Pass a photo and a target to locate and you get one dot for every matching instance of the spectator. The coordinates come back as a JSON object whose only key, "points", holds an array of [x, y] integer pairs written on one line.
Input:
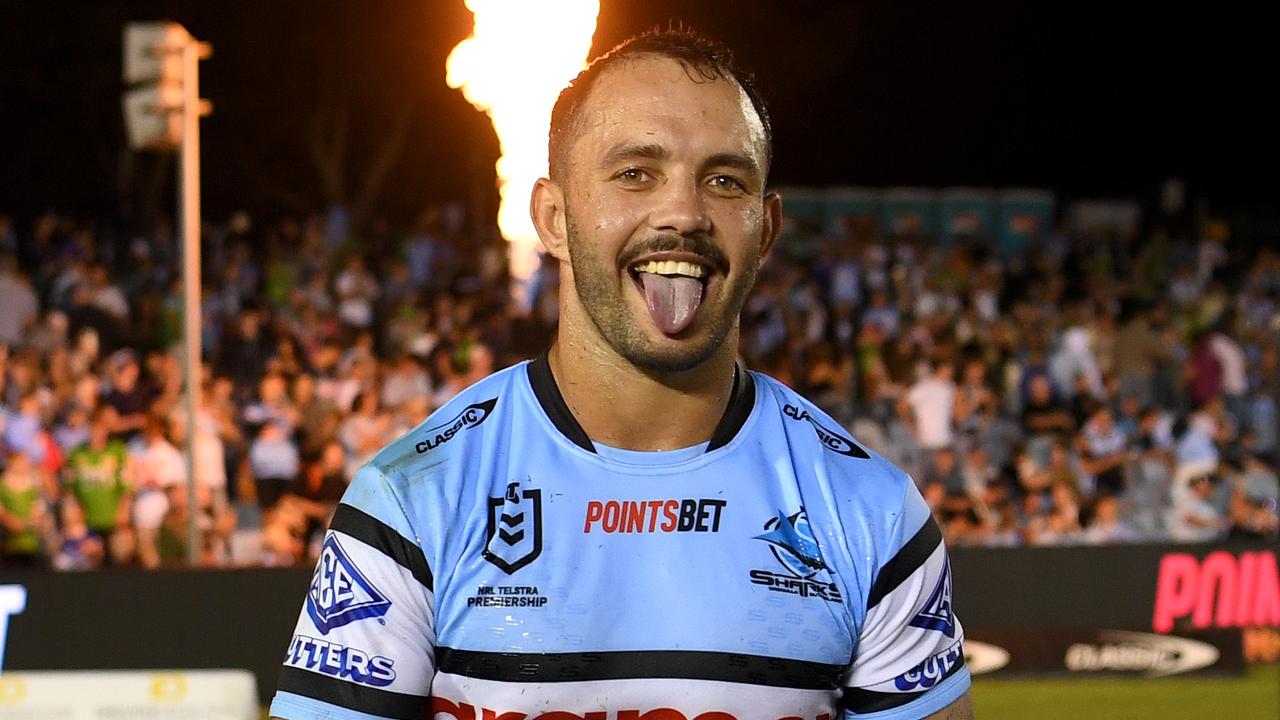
{"points": [[1043, 416], [357, 290], [273, 463], [1137, 351], [928, 406], [1107, 526], [21, 307], [1104, 451], [158, 466], [943, 470], [272, 406], [406, 381], [76, 547], [363, 432], [126, 396], [1255, 499], [100, 477], [24, 514], [975, 405], [1194, 518]]}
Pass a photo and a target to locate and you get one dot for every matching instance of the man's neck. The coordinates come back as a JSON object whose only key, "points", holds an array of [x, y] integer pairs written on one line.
{"points": [[622, 406]]}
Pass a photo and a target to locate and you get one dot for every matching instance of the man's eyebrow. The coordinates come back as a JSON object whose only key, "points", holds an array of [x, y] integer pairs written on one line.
{"points": [[629, 151], [733, 160]]}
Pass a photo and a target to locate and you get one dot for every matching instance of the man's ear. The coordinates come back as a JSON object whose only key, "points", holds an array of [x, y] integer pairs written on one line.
{"points": [[772, 225], [547, 209]]}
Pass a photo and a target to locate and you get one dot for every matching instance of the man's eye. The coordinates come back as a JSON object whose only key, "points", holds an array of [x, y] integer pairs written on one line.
{"points": [[633, 176], [727, 183]]}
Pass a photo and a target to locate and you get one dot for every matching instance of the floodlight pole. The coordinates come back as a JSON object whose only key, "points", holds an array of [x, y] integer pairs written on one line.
{"points": [[189, 204]]}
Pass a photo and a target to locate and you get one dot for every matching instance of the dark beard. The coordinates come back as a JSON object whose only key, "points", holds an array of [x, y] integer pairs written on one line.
{"points": [[601, 295]]}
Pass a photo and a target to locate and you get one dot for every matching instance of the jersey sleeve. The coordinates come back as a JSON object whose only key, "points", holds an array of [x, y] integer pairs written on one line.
{"points": [[364, 642], [910, 657]]}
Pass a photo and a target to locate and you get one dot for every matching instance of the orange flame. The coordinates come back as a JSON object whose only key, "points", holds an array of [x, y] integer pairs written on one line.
{"points": [[521, 53]]}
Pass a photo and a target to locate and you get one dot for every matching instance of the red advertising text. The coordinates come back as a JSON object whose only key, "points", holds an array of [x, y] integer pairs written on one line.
{"points": [[1222, 591]]}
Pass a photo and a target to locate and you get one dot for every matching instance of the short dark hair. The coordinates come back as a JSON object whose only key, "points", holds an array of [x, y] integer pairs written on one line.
{"points": [[711, 60]]}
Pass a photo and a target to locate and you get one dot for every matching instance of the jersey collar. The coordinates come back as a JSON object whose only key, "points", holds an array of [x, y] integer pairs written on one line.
{"points": [[741, 400]]}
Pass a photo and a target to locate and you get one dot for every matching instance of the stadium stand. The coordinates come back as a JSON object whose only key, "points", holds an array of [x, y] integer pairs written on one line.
{"points": [[1068, 387]]}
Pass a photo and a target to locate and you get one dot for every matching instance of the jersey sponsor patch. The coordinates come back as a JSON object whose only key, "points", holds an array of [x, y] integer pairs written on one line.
{"points": [[790, 539], [936, 613], [831, 440], [340, 661], [654, 516], [340, 593], [515, 528], [471, 416]]}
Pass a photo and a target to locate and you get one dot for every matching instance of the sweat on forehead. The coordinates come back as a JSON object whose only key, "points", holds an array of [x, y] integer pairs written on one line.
{"points": [[703, 60]]}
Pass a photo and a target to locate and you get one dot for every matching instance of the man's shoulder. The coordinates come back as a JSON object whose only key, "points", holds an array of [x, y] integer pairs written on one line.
{"points": [[456, 428], [852, 467]]}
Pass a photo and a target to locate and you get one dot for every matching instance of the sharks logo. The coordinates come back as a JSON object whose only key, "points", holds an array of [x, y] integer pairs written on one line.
{"points": [[936, 613], [339, 593], [791, 539], [515, 528]]}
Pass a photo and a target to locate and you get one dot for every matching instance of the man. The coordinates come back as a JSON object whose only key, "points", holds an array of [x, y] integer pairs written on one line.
{"points": [[99, 476], [928, 408], [631, 526]]}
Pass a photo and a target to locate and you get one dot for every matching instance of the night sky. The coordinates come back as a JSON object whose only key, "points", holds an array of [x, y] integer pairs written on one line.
{"points": [[1079, 98]]}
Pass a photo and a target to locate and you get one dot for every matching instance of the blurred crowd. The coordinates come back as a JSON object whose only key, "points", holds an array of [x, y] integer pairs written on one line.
{"points": [[1096, 388]]}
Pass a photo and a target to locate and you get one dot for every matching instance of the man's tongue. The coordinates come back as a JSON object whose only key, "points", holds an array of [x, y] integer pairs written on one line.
{"points": [[672, 300]]}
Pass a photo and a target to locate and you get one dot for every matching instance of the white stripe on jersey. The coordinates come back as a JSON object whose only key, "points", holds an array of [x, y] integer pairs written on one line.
{"points": [[390, 650], [911, 625]]}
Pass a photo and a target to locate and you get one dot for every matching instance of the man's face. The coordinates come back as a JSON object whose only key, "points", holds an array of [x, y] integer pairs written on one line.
{"points": [[666, 217]]}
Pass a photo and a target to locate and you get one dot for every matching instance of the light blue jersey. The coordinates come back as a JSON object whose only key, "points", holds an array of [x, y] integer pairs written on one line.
{"points": [[495, 564]]}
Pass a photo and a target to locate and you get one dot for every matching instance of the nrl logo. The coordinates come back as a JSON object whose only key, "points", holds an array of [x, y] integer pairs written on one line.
{"points": [[515, 529]]}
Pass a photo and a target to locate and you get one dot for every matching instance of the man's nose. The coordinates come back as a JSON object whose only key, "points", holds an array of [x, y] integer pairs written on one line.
{"points": [[681, 208]]}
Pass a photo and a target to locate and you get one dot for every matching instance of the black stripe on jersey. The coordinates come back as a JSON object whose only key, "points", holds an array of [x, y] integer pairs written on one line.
{"points": [[552, 402], [352, 696], [857, 700], [373, 532], [907, 561], [629, 665], [741, 401]]}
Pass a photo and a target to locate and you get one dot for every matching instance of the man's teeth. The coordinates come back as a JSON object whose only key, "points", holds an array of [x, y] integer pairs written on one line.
{"points": [[671, 267]]}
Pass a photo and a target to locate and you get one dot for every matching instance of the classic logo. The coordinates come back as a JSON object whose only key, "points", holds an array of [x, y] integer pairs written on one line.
{"points": [[831, 440], [471, 416], [515, 528], [793, 545], [339, 593], [936, 613], [1155, 655], [984, 657], [931, 671]]}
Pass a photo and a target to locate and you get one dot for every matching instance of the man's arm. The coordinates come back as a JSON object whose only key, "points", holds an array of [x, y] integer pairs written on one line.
{"points": [[961, 709]]}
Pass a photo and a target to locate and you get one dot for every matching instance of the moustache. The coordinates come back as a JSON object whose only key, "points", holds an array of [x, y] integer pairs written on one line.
{"points": [[697, 244]]}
